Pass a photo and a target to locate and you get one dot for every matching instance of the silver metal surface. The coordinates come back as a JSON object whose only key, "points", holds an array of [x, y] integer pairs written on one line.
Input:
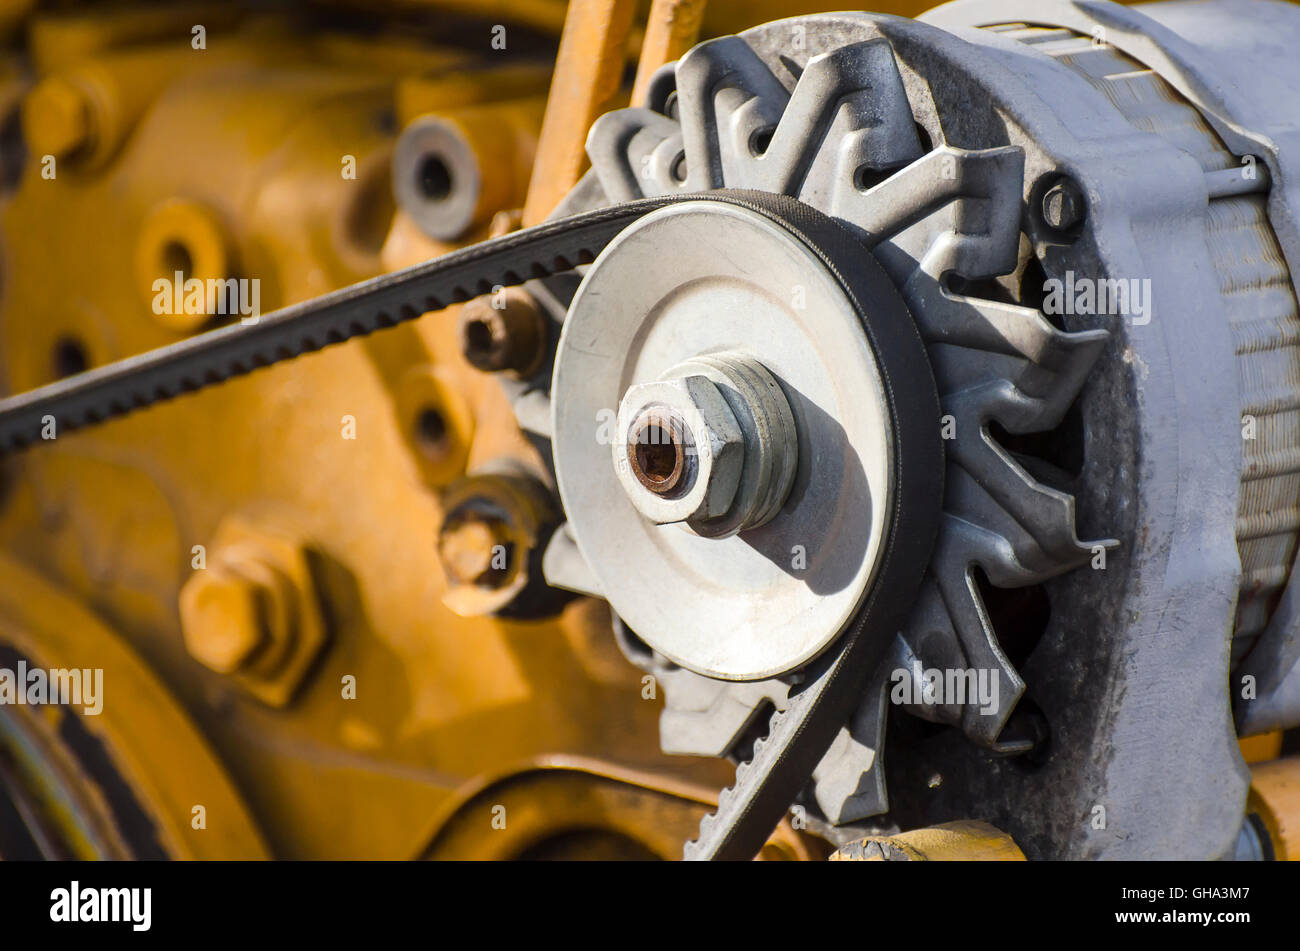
{"points": [[1132, 669], [770, 439], [837, 129], [757, 604], [984, 166], [691, 418], [436, 178], [1233, 61]]}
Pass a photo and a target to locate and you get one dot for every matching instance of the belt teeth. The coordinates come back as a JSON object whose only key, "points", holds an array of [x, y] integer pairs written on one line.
{"points": [[236, 349]]}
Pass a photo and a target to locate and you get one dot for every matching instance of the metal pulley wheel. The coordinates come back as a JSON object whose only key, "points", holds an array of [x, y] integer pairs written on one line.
{"points": [[1108, 528], [993, 374], [715, 340]]}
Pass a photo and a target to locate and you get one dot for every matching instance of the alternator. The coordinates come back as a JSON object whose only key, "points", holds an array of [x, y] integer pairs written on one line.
{"points": [[943, 373], [1084, 209]]}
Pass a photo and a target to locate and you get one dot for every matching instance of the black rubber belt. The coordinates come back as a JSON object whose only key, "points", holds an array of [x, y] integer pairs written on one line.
{"points": [[798, 736], [832, 689], [209, 358]]}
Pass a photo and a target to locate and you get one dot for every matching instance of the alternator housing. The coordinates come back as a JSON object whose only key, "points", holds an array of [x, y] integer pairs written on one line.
{"points": [[1088, 217]]}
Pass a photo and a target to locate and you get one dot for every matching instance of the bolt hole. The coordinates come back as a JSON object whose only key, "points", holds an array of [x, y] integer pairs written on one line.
{"points": [[70, 358], [176, 257], [1061, 205], [865, 177], [678, 169], [433, 178], [657, 462], [480, 344], [759, 140], [431, 430], [657, 457]]}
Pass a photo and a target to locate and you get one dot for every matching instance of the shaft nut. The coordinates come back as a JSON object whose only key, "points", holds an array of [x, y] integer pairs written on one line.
{"points": [[680, 450]]}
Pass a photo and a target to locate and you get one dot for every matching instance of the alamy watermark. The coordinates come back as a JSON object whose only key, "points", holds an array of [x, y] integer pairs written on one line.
{"points": [[217, 296], [83, 687], [133, 906], [954, 686], [1118, 296]]}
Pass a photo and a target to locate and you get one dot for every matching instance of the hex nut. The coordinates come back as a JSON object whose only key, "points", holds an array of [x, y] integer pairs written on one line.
{"points": [[255, 613], [505, 335], [496, 522], [714, 445]]}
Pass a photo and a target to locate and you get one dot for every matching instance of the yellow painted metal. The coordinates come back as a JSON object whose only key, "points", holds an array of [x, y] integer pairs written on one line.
{"points": [[485, 554], [150, 741], [254, 610], [58, 118], [1275, 798], [69, 37], [586, 83], [564, 807], [185, 238], [409, 702], [672, 28], [265, 156], [965, 841], [1259, 749], [441, 92]]}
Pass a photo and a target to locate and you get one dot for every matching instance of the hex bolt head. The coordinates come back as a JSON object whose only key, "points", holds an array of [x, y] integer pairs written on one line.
{"points": [[496, 523], [256, 613], [687, 416], [1064, 206], [222, 618], [240, 615]]}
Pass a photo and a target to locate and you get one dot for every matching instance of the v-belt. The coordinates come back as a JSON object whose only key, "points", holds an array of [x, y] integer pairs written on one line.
{"points": [[798, 736]]}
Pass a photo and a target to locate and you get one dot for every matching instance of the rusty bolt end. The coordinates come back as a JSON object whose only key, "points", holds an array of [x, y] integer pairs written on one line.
{"points": [[57, 118], [475, 550], [495, 523], [695, 417], [656, 451], [505, 334]]}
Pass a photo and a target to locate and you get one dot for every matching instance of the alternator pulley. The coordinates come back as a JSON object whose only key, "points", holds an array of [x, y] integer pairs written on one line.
{"points": [[705, 283]]}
